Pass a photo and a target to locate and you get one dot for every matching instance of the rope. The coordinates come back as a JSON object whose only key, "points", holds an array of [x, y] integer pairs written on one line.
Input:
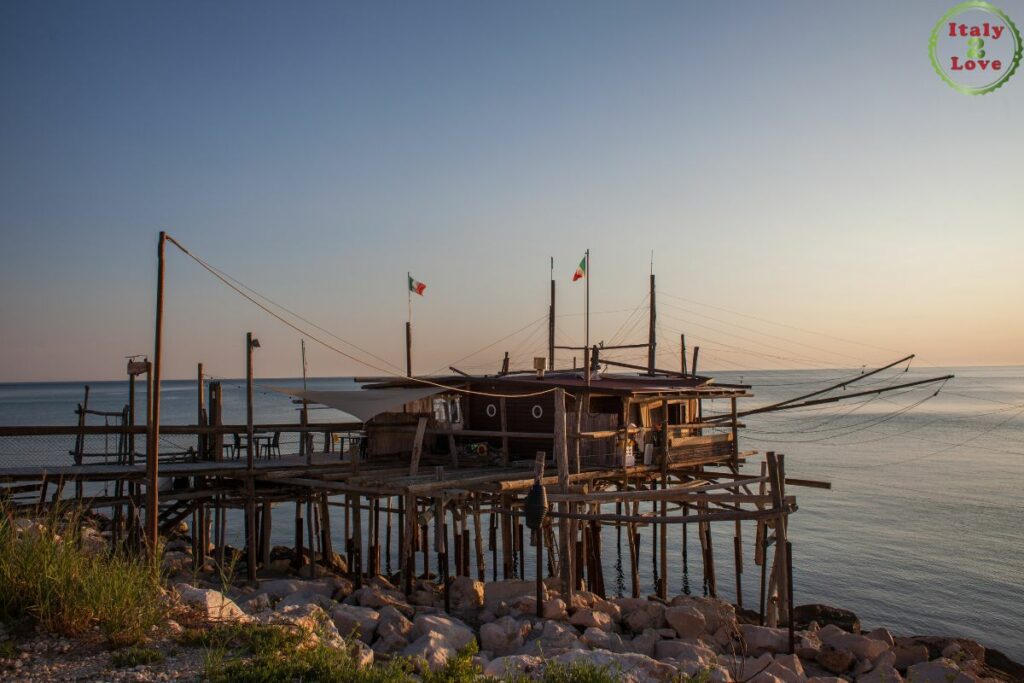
{"points": [[239, 289]]}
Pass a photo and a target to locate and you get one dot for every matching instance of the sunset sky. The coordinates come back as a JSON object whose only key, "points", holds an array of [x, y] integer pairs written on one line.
{"points": [[798, 163]]}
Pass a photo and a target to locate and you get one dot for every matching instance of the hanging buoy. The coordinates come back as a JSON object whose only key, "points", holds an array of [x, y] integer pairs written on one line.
{"points": [[536, 506]]}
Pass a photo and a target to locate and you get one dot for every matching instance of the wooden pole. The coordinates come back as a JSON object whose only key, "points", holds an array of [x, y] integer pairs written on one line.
{"points": [[682, 353], [250, 498], [696, 352], [153, 448], [562, 462]]}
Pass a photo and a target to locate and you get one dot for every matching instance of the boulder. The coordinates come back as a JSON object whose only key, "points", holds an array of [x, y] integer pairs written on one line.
{"points": [[909, 655], [684, 652], [431, 650], [213, 605], [513, 666], [880, 674], [609, 608], [555, 609], [745, 668], [861, 647], [626, 667], [392, 624], [644, 643], [360, 622], [825, 614], [760, 639], [686, 620], [598, 639], [453, 631], [588, 618], [881, 634], [310, 619], [836, 661], [502, 637], [305, 598], [717, 613], [466, 594], [940, 670], [642, 614], [551, 637], [497, 592]]}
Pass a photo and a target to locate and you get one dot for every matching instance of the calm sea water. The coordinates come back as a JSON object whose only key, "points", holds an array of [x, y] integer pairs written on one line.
{"points": [[921, 531]]}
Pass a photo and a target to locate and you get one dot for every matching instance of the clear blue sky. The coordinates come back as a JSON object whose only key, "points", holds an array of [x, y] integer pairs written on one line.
{"points": [[796, 161]]}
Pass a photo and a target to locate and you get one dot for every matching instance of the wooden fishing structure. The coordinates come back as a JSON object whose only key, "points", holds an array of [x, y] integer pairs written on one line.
{"points": [[435, 474]]}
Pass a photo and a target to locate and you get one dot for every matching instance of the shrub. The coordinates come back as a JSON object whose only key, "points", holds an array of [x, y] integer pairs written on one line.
{"points": [[52, 580]]}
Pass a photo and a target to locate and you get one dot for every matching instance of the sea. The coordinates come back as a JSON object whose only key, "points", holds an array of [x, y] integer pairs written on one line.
{"points": [[922, 530]]}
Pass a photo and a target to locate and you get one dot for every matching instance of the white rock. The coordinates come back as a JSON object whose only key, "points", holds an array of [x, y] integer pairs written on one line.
{"points": [[431, 650], [881, 674], [555, 609], [861, 647], [644, 643], [306, 598], [497, 592], [588, 618], [358, 621], [502, 637], [392, 623], [638, 615], [626, 667], [760, 639], [466, 594], [454, 632], [214, 605], [598, 639], [687, 620], [512, 665], [684, 652], [938, 671]]}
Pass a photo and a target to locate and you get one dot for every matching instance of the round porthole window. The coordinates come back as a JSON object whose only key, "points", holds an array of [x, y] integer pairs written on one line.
{"points": [[491, 410], [537, 412]]}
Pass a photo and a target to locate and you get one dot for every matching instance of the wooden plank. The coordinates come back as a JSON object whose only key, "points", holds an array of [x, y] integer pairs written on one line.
{"points": [[417, 446]]}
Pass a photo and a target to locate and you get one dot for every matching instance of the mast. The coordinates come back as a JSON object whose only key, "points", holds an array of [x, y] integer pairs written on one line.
{"points": [[551, 320], [651, 330], [586, 352], [408, 328]]}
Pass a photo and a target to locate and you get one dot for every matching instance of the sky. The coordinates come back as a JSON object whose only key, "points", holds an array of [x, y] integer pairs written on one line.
{"points": [[812, 193]]}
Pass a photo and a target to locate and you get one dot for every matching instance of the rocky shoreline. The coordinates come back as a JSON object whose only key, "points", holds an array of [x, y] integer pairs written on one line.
{"points": [[640, 640], [637, 640]]}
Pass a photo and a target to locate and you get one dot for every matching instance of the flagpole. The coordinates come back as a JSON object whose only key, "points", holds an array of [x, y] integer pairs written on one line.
{"points": [[586, 353], [408, 327]]}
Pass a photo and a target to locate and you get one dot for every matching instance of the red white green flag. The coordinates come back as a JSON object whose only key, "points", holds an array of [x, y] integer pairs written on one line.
{"points": [[416, 286], [581, 270]]}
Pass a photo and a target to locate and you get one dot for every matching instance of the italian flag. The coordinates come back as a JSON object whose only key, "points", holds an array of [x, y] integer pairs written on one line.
{"points": [[416, 286], [581, 270]]}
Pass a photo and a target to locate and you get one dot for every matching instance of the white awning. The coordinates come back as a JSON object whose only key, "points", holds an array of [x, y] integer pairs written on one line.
{"points": [[364, 404]]}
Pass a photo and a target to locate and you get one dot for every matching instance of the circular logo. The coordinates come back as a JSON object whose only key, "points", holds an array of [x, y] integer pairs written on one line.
{"points": [[975, 47]]}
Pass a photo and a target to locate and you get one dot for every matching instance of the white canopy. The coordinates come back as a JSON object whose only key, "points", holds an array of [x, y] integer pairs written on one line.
{"points": [[364, 404]]}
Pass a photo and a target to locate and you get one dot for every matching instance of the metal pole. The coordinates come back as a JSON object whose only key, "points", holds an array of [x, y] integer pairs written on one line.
{"points": [[551, 320], [153, 448], [587, 316]]}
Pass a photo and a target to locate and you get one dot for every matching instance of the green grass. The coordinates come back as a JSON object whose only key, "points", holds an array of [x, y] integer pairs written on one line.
{"points": [[134, 656], [275, 654], [54, 583]]}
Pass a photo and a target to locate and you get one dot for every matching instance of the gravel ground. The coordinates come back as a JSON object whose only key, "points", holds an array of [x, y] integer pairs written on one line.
{"points": [[46, 658]]}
